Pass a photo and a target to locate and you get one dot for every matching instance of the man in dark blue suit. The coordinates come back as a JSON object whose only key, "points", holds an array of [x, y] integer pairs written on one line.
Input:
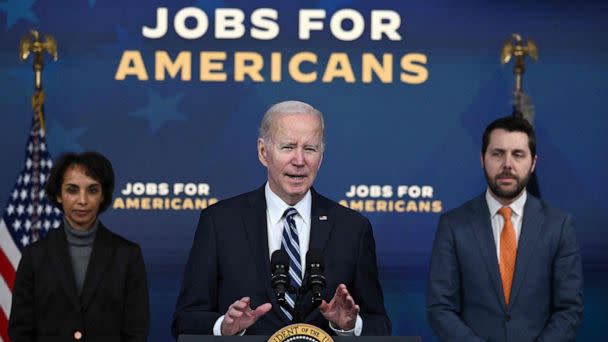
{"points": [[506, 266], [226, 288]]}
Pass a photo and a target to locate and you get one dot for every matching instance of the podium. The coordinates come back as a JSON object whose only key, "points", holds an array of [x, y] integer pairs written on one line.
{"points": [[259, 338]]}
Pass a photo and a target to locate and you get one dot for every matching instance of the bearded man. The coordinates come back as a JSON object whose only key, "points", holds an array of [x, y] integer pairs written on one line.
{"points": [[505, 265]]}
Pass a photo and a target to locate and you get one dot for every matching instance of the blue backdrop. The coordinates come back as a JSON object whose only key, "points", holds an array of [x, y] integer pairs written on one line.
{"points": [[421, 132]]}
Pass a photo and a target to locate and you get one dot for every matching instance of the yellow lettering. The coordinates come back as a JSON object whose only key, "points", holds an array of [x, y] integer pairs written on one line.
{"points": [[424, 206], [187, 204], [338, 65], [381, 206], [132, 203], [131, 64], [294, 67], [383, 71], [411, 206], [163, 63], [369, 206], [175, 203], [356, 205], [400, 206], [212, 66], [118, 203], [414, 71], [437, 206], [250, 64], [275, 67], [157, 203], [145, 203]]}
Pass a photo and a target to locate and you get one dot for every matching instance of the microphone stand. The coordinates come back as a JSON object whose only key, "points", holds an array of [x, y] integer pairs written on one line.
{"points": [[299, 311]]}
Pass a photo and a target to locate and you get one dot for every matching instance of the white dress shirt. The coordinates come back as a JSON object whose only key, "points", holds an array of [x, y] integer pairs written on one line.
{"points": [[517, 213], [275, 208]]}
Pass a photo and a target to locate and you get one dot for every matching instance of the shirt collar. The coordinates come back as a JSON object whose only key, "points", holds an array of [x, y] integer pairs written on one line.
{"points": [[276, 206], [517, 207]]}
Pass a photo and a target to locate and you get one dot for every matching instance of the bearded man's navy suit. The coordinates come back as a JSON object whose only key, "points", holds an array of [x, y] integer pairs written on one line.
{"points": [[465, 300]]}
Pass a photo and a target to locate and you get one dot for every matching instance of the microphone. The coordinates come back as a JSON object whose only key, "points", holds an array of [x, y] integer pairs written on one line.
{"points": [[315, 279], [279, 269]]}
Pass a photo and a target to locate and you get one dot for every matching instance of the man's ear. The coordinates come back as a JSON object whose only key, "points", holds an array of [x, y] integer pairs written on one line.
{"points": [[534, 163], [262, 152]]}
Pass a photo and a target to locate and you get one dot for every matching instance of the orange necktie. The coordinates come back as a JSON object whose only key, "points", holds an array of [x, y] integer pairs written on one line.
{"points": [[508, 252]]}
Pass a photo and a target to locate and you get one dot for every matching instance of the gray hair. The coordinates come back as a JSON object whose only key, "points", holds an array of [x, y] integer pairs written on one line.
{"points": [[288, 108]]}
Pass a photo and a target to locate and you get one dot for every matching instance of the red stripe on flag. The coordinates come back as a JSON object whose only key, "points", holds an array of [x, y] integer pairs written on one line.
{"points": [[4, 327], [6, 270]]}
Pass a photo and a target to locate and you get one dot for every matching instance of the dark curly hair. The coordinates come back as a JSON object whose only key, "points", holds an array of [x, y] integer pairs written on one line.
{"points": [[95, 165]]}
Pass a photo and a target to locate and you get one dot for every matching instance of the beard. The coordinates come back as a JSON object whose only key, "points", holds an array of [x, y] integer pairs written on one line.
{"points": [[520, 184]]}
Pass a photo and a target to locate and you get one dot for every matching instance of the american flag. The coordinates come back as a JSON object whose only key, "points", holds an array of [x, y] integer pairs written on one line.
{"points": [[28, 215]]}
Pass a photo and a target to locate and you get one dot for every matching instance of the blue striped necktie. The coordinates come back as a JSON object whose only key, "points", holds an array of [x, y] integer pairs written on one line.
{"points": [[291, 244]]}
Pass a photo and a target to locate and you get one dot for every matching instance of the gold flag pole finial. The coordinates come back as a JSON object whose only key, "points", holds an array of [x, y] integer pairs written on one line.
{"points": [[31, 43], [515, 47]]}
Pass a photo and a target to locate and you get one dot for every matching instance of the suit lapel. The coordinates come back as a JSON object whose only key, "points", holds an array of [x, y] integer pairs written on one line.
{"points": [[62, 264], [100, 258], [255, 223], [321, 225], [321, 222], [530, 232], [482, 229]]}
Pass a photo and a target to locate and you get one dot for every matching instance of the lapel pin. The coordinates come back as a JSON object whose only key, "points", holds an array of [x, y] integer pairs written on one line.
{"points": [[323, 218]]}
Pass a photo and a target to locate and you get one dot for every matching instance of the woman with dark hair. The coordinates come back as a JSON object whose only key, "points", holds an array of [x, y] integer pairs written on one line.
{"points": [[81, 282]]}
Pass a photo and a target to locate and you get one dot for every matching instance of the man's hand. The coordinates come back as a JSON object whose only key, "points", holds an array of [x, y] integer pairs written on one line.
{"points": [[341, 311], [240, 316]]}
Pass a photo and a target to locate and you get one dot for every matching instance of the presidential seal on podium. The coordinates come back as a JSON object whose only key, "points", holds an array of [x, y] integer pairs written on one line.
{"points": [[300, 333]]}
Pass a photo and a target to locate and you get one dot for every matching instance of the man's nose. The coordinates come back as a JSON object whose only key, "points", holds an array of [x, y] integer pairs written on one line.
{"points": [[298, 157], [508, 161]]}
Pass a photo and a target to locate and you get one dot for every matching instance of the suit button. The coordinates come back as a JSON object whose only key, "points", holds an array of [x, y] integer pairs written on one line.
{"points": [[77, 335], [507, 318]]}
